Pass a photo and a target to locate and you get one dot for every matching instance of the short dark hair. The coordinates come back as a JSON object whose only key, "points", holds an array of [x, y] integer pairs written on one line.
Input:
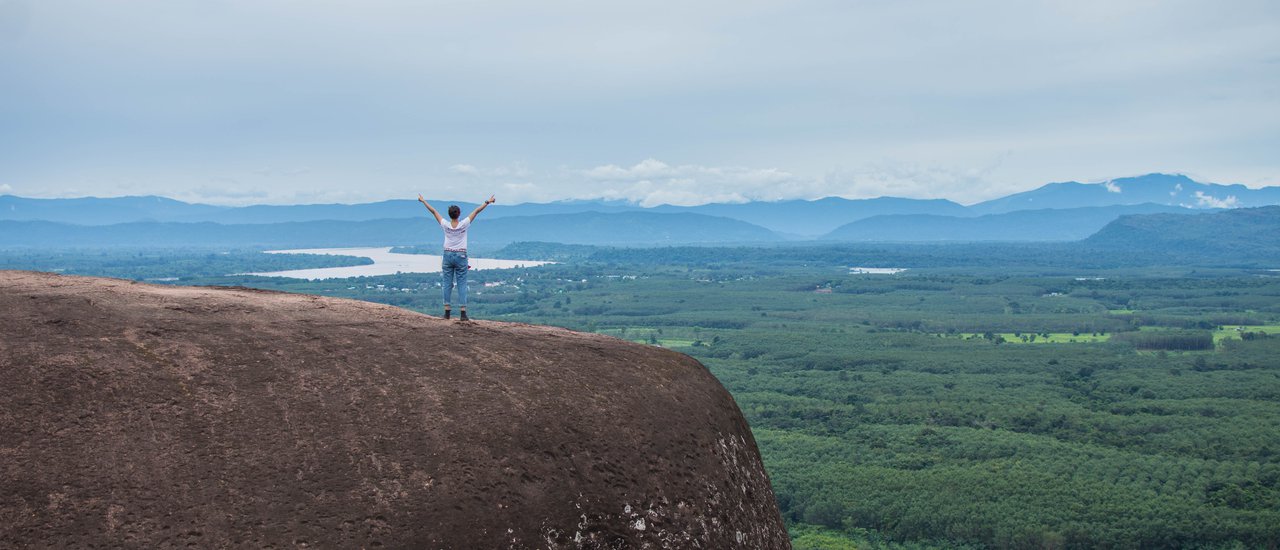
{"points": [[454, 211]]}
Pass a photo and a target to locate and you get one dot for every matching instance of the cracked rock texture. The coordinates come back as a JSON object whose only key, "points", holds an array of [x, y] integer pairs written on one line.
{"points": [[138, 415]]}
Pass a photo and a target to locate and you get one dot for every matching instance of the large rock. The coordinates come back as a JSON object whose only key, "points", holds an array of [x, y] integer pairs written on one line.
{"points": [[146, 416]]}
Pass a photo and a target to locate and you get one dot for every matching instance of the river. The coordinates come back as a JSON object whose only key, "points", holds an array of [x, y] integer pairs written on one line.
{"points": [[385, 262]]}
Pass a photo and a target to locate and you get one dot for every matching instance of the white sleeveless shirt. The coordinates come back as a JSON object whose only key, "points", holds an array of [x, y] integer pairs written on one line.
{"points": [[455, 238]]}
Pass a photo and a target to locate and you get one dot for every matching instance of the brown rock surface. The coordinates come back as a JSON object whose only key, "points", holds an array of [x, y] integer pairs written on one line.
{"points": [[151, 416]]}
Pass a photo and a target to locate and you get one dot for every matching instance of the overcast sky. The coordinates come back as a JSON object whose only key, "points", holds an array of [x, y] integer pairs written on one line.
{"points": [[286, 101]]}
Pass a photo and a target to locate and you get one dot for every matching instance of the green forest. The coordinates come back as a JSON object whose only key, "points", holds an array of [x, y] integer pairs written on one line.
{"points": [[1059, 399]]}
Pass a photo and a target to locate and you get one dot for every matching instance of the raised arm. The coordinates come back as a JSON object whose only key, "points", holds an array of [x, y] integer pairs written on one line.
{"points": [[482, 207], [433, 210]]}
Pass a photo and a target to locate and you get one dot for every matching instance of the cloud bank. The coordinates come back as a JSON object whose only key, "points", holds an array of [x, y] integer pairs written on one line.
{"points": [[733, 100], [652, 182], [1210, 201]]}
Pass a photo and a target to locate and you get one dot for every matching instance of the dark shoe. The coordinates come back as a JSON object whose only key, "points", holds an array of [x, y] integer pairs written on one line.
{"points": [[464, 316], [447, 313]]}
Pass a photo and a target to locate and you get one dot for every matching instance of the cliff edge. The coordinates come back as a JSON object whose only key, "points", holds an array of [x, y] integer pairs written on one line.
{"points": [[148, 416]]}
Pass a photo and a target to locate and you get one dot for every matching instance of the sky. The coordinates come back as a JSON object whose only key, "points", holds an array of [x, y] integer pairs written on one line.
{"points": [[301, 101]]}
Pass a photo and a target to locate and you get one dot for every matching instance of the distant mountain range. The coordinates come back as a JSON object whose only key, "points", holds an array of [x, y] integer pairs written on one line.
{"points": [[1165, 189], [1053, 212], [794, 217]]}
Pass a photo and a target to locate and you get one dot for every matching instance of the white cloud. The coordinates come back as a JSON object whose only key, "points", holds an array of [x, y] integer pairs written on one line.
{"points": [[1176, 189], [652, 182], [514, 170], [647, 168], [277, 172], [5, 188], [518, 189], [1112, 187], [919, 181], [464, 169], [224, 192], [1210, 201]]}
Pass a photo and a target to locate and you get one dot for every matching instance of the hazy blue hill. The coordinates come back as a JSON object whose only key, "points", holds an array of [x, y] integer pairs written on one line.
{"points": [[265, 213], [639, 228], [817, 217], [499, 210], [1028, 225], [1250, 235], [635, 228], [400, 209], [104, 211], [791, 218], [1166, 189], [173, 234], [115, 210], [795, 217]]}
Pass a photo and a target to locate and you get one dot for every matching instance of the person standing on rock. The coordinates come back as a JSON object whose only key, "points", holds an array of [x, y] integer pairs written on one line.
{"points": [[453, 266]]}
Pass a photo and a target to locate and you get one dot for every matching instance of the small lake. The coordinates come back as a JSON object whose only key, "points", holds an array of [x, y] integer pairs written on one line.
{"points": [[876, 270], [385, 262]]}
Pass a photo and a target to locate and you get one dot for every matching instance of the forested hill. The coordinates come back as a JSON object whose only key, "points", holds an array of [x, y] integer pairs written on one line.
{"points": [[1068, 224], [1243, 234], [812, 218]]}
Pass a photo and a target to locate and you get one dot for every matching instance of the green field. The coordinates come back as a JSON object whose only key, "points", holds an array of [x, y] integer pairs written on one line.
{"points": [[1036, 338], [1237, 332], [647, 335], [667, 342]]}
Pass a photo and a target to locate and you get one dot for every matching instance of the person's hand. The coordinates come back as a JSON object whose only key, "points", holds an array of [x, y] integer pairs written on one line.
{"points": [[421, 200], [491, 199]]}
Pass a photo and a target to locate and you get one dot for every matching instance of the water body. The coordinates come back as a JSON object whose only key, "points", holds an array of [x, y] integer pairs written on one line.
{"points": [[876, 270], [385, 262]]}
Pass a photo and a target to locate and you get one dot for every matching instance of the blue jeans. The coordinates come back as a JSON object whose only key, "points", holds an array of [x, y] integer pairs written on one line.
{"points": [[454, 266]]}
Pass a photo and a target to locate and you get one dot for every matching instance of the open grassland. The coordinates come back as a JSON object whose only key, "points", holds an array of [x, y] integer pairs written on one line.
{"points": [[1239, 332], [1035, 338]]}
